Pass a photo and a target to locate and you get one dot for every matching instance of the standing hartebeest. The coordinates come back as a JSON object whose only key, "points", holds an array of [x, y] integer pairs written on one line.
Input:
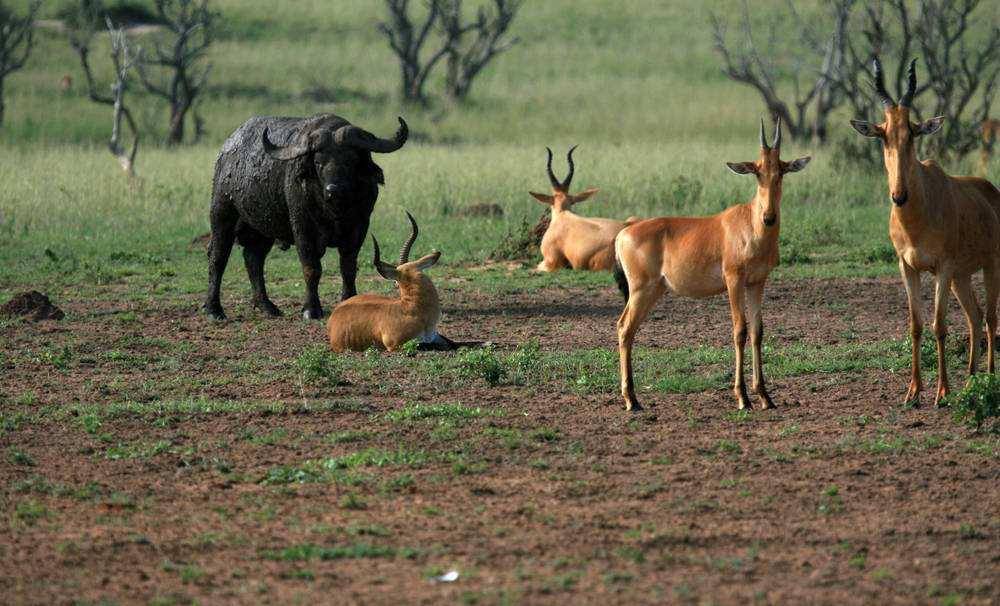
{"points": [[732, 252], [571, 240], [946, 225]]}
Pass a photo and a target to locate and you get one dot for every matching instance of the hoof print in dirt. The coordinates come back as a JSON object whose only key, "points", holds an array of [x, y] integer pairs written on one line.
{"points": [[32, 305]]}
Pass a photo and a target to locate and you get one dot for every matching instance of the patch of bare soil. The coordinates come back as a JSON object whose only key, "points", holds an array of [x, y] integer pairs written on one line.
{"points": [[839, 496]]}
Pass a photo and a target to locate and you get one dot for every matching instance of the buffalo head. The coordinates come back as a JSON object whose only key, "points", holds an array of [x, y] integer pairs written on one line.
{"points": [[338, 156]]}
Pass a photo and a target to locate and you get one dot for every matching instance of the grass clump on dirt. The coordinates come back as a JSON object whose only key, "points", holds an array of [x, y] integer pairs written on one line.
{"points": [[414, 412], [318, 367], [977, 405], [310, 551], [517, 368]]}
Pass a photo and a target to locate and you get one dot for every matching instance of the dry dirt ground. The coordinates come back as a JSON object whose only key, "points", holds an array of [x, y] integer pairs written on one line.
{"points": [[151, 456]]}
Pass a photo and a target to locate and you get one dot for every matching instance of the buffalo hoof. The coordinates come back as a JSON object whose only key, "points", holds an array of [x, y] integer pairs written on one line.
{"points": [[268, 309], [315, 313], [214, 311]]}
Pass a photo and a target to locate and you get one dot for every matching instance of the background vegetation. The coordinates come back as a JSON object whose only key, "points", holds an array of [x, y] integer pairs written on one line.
{"points": [[636, 84]]}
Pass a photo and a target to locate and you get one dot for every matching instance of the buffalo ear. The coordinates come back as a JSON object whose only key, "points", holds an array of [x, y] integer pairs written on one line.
{"points": [[376, 171], [742, 168], [303, 145]]}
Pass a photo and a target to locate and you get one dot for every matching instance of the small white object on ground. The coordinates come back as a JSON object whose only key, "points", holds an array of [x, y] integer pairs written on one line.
{"points": [[449, 577]]}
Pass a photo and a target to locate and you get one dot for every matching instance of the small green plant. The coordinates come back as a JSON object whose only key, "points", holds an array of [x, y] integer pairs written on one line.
{"points": [[483, 363], [318, 366], [19, 457], [352, 501], [410, 348], [977, 405]]}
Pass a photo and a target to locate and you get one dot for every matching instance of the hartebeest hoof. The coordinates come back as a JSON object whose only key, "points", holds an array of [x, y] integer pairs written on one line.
{"points": [[765, 401], [633, 406]]}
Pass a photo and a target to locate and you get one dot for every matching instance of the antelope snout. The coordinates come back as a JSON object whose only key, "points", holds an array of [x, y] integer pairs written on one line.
{"points": [[900, 198], [769, 219]]}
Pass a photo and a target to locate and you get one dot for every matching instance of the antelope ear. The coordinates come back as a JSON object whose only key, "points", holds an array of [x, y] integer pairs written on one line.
{"points": [[543, 198], [866, 128], [797, 165], [428, 261], [585, 194], [742, 168], [929, 127]]}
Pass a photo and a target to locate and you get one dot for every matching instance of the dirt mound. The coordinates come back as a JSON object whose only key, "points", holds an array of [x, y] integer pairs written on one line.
{"points": [[33, 305]]}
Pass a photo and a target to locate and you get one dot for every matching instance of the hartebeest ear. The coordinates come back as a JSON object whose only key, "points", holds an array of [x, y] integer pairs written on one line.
{"points": [[866, 128], [428, 261], [543, 198], [742, 168], [928, 127], [797, 165], [585, 194]]}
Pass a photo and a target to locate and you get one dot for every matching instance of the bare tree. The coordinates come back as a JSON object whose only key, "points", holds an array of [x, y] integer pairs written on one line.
{"points": [[123, 58], [17, 37], [817, 55], [465, 60], [468, 46], [190, 29], [407, 39]]}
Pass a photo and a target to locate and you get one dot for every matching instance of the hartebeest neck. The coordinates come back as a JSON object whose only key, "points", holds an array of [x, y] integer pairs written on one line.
{"points": [[760, 205], [418, 294]]}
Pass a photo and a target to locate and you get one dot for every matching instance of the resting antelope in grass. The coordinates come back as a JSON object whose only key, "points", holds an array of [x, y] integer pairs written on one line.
{"points": [[946, 225], [571, 240], [732, 252], [364, 321]]}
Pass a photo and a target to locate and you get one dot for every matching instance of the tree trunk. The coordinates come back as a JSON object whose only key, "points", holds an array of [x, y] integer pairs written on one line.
{"points": [[177, 116], [1, 101]]}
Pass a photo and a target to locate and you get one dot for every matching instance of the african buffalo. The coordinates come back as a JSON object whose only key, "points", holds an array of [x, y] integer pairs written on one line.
{"points": [[307, 181]]}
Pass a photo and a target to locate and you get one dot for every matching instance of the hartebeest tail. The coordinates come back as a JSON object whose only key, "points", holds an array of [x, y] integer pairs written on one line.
{"points": [[571, 240], [368, 320], [732, 252], [949, 226], [620, 278]]}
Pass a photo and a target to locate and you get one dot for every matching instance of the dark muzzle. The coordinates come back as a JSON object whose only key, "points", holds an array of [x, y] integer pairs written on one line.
{"points": [[900, 199], [770, 219]]}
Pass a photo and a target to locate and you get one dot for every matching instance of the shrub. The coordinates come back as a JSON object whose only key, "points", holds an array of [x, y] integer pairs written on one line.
{"points": [[318, 366], [978, 403], [483, 363]]}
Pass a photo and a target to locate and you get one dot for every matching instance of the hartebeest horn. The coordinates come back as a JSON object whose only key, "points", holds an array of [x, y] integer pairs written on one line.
{"points": [[777, 134], [384, 269], [569, 176], [404, 253], [548, 168], [911, 86], [880, 84], [763, 138], [362, 139]]}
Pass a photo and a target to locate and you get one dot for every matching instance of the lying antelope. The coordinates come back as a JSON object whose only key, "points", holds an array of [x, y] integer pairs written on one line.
{"points": [[732, 252], [367, 320], [571, 240], [946, 225]]}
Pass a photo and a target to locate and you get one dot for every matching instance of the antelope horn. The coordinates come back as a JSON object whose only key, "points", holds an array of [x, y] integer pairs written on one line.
{"points": [[384, 269], [552, 177], [911, 86], [569, 177], [880, 84], [362, 139], [404, 253], [763, 138], [777, 134]]}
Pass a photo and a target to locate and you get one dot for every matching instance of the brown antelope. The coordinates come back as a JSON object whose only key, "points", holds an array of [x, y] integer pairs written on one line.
{"points": [[66, 83], [571, 240], [367, 320], [732, 252], [990, 129], [946, 225]]}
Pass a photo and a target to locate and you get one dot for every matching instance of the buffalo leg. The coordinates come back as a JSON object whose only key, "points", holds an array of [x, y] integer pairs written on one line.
{"points": [[348, 272], [255, 249], [223, 234], [312, 271]]}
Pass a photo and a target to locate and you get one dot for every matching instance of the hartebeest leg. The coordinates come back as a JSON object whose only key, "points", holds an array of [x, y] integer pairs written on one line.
{"points": [[992, 279], [941, 331], [737, 295], [755, 298], [962, 287], [640, 301], [911, 281]]}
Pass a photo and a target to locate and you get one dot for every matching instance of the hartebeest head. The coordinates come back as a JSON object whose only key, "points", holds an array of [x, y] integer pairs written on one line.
{"points": [[561, 199], [405, 272], [897, 132], [769, 170]]}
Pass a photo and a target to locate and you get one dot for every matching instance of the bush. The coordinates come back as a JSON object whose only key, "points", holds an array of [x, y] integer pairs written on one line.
{"points": [[521, 243], [483, 363], [978, 403], [318, 366]]}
